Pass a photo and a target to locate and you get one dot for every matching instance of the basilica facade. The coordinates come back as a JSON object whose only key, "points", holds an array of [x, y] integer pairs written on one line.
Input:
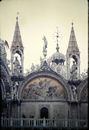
{"points": [[52, 94]]}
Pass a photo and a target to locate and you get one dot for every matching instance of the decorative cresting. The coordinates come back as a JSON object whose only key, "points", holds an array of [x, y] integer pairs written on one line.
{"points": [[44, 86], [83, 91]]}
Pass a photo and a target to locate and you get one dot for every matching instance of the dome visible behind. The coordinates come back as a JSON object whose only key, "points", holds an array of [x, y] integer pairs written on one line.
{"points": [[58, 58]]}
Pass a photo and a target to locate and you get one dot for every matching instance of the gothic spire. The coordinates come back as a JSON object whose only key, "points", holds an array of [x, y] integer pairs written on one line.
{"points": [[73, 46], [73, 52], [17, 41], [17, 48]]}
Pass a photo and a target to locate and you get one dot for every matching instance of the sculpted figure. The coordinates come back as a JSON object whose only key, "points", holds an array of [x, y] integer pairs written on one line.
{"points": [[15, 87], [74, 90], [74, 71], [17, 66], [45, 47]]}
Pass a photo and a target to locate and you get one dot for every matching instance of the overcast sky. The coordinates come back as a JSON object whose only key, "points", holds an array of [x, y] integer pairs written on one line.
{"points": [[41, 17]]}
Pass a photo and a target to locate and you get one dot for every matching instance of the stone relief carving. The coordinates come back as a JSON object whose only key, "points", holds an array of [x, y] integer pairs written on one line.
{"points": [[43, 88]]}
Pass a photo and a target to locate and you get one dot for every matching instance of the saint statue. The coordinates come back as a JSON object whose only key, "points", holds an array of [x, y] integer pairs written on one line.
{"points": [[74, 90], [15, 87], [17, 66], [74, 71]]}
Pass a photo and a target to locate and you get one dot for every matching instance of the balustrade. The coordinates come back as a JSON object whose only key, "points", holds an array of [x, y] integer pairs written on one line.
{"points": [[27, 122]]}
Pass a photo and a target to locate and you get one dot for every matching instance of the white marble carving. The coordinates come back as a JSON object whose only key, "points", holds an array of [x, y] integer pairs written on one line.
{"points": [[74, 71]]}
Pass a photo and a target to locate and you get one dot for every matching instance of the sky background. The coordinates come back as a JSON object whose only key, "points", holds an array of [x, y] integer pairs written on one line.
{"points": [[41, 17]]}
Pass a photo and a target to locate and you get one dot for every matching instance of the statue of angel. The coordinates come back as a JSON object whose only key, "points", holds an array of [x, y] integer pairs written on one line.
{"points": [[45, 47]]}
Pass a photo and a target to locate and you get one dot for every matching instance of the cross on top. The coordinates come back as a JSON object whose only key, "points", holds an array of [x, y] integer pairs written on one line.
{"points": [[57, 36]]}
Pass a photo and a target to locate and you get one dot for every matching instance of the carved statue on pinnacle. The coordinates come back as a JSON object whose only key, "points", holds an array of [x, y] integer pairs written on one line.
{"points": [[74, 71]]}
